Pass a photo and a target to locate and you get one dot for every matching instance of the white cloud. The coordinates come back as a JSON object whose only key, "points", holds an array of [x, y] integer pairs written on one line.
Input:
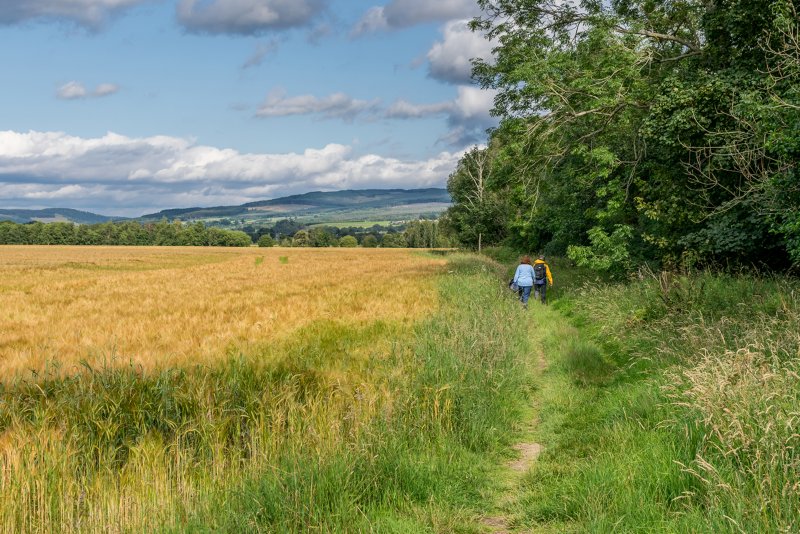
{"points": [[89, 13], [402, 109], [449, 60], [105, 89], [471, 116], [336, 105], [404, 13], [75, 90], [71, 91], [246, 17], [468, 115], [115, 173]]}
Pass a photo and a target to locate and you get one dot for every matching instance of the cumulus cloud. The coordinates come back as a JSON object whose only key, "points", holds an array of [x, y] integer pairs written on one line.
{"points": [[76, 90], [334, 106], [404, 13], [468, 116], [89, 13], [246, 17], [449, 60], [403, 109], [115, 173]]}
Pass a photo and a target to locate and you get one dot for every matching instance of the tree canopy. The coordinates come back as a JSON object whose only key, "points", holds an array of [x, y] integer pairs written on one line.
{"points": [[638, 131]]}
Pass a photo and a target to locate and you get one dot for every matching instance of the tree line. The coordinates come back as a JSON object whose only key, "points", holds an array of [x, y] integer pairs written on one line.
{"points": [[417, 234], [638, 131], [162, 233]]}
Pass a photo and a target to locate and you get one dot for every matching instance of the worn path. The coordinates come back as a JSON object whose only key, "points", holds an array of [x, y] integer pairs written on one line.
{"points": [[528, 452]]}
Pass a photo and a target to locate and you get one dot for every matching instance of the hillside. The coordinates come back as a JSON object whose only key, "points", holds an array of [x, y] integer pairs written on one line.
{"points": [[49, 215], [319, 206], [314, 207]]}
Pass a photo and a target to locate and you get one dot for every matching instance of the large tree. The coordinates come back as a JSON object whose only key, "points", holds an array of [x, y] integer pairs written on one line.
{"points": [[642, 130]]}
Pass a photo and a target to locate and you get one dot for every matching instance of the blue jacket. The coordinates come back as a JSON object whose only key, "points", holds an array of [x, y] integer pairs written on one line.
{"points": [[524, 275]]}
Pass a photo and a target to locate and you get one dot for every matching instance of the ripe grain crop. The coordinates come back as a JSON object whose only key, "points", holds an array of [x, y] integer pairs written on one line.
{"points": [[352, 414], [159, 308]]}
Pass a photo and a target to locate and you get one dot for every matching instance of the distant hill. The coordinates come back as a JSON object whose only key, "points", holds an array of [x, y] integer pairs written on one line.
{"points": [[366, 204], [315, 207], [54, 215]]}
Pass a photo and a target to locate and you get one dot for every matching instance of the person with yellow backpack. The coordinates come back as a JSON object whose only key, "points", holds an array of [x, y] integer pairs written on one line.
{"points": [[542, 277]]}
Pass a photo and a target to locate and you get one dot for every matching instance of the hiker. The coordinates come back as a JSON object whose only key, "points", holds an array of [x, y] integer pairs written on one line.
{"points": [[541, 279], [523, 279]]}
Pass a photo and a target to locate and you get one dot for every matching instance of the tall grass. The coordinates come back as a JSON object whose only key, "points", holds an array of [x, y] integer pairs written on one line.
{"points": [[671, 405], [377, 427]]}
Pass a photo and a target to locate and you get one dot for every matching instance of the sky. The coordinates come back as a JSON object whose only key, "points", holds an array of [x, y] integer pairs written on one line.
{"points": [[126, 107]]}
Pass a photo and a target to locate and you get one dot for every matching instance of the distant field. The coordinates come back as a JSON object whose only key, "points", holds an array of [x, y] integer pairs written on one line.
{"points": [[160, 308], [354, 224]]}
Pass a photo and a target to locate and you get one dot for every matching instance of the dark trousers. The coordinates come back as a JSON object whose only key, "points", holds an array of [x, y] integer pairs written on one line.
{"points": [[540, 292]]}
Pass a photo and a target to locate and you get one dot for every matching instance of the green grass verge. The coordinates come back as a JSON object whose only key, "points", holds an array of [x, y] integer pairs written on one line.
{"points": [[669, 404]]}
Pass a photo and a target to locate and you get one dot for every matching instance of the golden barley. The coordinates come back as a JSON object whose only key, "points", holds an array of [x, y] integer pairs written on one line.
{"points": [[164, 307]]}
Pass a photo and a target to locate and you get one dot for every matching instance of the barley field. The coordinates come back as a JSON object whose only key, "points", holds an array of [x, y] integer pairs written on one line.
{"points": [[157, 308], [277, 390]]}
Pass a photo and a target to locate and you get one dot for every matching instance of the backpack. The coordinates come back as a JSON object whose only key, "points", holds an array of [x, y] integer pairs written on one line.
{"points": [[539, 272]]}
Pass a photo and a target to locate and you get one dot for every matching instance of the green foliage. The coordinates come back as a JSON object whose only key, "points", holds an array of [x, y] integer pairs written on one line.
{"points": [[322, 237], [266, 241], [607, 252], [423, 234], [369, 241], [348, 241], [393, 240], [131, 233], [301, 239], [675, 121]]}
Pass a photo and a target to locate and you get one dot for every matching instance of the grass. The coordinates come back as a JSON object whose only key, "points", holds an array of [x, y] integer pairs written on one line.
{"points": [[669, 405], [341, 426]]}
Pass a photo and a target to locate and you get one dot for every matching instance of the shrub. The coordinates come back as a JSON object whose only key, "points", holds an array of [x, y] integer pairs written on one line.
{"points": [[348, 241], [266, 241]]}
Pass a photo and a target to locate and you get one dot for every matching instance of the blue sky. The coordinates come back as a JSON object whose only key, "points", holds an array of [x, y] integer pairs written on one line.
{"points": [[130, 106]]}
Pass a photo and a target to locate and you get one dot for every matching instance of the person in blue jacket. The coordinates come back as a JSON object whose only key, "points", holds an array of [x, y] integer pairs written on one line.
{"points": [[523, 278]]}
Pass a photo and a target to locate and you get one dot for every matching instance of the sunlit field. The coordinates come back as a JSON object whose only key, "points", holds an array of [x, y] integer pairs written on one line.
{"points": [[156, 308], [148, 388], [259, 390]]}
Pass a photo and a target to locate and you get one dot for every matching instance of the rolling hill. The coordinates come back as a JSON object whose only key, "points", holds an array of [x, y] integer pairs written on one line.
{"points": [[318, 206], [315, 207], [54, 215]]}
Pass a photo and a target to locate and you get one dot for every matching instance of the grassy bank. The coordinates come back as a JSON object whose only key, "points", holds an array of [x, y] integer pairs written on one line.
{"points": [[342, 428], [670, 404]]}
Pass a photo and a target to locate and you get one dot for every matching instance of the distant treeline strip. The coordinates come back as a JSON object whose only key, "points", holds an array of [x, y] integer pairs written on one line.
{"points": [[160, 233]]}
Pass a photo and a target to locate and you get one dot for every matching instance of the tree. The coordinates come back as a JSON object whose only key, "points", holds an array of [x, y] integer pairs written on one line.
{"points": [[322, 237], [393, 240], [301, 239], [369, 241], [657, 130], [348, 241], [266, 241], [422, 234]]}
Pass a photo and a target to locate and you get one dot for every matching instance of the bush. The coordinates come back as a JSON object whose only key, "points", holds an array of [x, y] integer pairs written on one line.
{"points": [[266, 241], [348, 241]]}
